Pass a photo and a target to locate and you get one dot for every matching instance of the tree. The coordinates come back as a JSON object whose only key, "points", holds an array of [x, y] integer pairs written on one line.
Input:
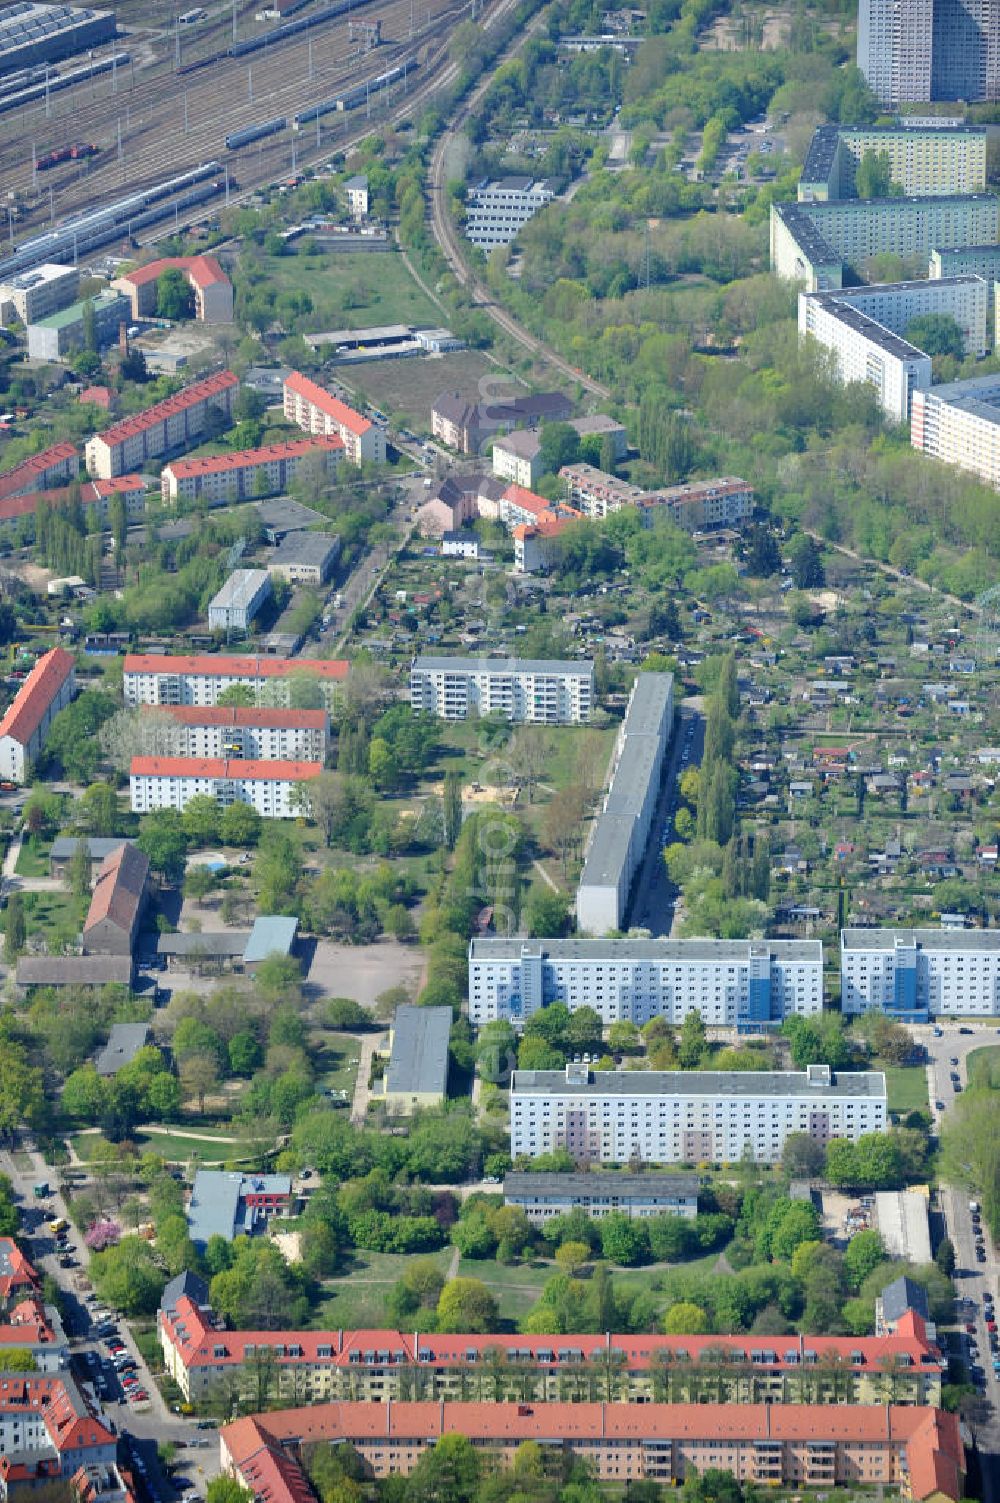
{"points": [[174, 295], [240, 825], [447, 1472], [571, 1256], [200, 819], [15, 928], [78, 871], [559, 445], [623, 1241], [937, 334], [807, 565], [864, 1252], [944, 1256], [467, 1305], [128, 1277], [452, 811], [546, 913], [693, 1043], [226, 1489], [873, 177], [85, 1094], [802, 1156], [685, 1319], [199, 1073], [162, 838], [99, 811], [199, 881], [761, 552]]}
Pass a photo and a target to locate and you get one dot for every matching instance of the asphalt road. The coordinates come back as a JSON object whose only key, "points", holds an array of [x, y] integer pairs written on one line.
{"points": [[972, 1278]]}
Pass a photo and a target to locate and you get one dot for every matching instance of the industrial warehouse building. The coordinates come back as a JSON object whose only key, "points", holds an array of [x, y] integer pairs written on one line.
{"points": [[733, 983], [305, 557], [417, 1075], [31, 33], [619, 836], [542, 692], [916, 974], [687, 1116], [636, 1196]]}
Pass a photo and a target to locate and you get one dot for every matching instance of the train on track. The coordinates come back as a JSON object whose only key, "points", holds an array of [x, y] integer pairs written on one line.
{"points": [[73, 153], [238, 138], [278, 34], [96, 227], [360, 94], [42, 86]]}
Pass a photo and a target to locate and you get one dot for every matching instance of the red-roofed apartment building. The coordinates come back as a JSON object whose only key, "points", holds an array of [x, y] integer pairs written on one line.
{"points": [[915, 1451], [36, 1328], [49, 686], [97, 493], [171, 783], [389, 1365], [167, 426], [213, 291], [48, 1430], [116, 904], [318, 411], [61, 462], [263, 734], [155, 678], [19, 1279], [247, 472]]}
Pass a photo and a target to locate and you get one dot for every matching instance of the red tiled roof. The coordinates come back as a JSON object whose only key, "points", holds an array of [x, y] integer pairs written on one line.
{"points": [[220, 665], [27, 1325], [262, 716], [519, 495], [930, 1439], [219, 767], [100, 396], [169, 407], [90, 491], [216, 464], [195, 1338], [202, 270], [17, 1274], [69, 1421], [21, 476], [328, 403], [119, 889], [36, 694]]}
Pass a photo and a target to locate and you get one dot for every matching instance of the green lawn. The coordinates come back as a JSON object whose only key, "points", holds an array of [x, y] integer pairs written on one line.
{"points": [[172, 1146], [352, 292], [989, 1056], [33, 857], [335, 1056], [356, 1300], [907, 1088], [57, 916], [516, 1287]]}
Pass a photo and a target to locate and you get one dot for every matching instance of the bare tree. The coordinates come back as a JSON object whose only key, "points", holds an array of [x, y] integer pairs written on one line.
{"points": [[150, 732], [528, 751]]}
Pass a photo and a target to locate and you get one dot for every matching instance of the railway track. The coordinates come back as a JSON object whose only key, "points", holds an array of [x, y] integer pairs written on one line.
{"points": [[152, 114]]}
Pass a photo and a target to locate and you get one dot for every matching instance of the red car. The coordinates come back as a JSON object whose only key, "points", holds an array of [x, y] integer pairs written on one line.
{"points": [[991, 1325], [970, 1328]]}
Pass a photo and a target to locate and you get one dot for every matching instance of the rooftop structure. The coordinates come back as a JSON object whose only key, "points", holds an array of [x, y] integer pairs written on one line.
{"points": [[270, 935], [231, 1205], [124, 1043], [619, 835], [918, 1450], [23, 729], [32, 33], [418, 1058]]}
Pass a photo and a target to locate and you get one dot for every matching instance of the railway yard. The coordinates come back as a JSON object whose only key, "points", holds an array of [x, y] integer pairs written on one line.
{"points": [[149, 122]]}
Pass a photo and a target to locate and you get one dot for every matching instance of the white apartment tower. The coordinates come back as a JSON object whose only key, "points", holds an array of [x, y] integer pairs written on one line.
{"points": [[542, 691], [916, 974]]}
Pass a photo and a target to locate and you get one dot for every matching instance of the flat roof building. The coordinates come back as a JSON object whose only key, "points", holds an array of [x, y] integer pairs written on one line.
{"points": [[620, 834], [229, 1205], [305, 557], [60, 334], [636, 1196], [958, 423], [866, 351], [687, 1117], [902, 1220], [239, 600], [418, 1058], [546, 692], [916, 974], [748, 984], [33, 33], [923, 160], [35, 294], [497, 209]]}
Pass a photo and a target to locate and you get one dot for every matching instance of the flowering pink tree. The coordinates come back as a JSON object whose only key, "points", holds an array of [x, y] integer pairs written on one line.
{"points": [[102, 1234]]}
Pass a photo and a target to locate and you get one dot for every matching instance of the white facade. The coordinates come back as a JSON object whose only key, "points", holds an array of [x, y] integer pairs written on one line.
{"points": [[234, 733], [518, 457], [542, 692], [239, 600], [895, 45], [619, 836], [37, 293], [959, 424], [894, 305], [172, 782], [677, 1117], [49, 687], [495, 211], [866, 351], [745, 983], [913, 974], [155, 679]]}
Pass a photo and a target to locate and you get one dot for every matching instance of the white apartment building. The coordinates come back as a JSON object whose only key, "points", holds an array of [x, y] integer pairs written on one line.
{"points": [[924, 160], [702, 505], [959, 424], [257, 733], [966, 261], [316, 410], [749, 984], [687, 1116], [545, 692], [637, 1196], [37, 293], [518, 457], [239, 600], [894, 305], [172, 782], [170, 425], [48, 688], [916, 974], [866, 351], [247, 474], [159, 679], [495, 210], [812, 242], [595, 493], [619, 836]]}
